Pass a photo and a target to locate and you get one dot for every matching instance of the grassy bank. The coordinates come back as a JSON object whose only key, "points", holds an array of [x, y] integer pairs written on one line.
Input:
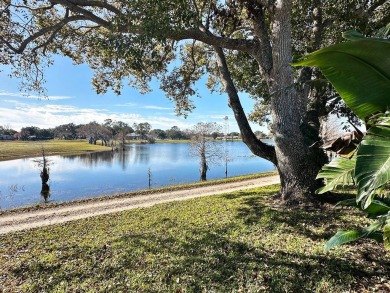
{"points": [[237, 242], [11, 150]]}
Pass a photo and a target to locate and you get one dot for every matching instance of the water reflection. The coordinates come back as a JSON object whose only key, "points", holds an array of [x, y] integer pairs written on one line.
{"points": [[45, 192], [95, 174], [93, 159], [132, 155]]}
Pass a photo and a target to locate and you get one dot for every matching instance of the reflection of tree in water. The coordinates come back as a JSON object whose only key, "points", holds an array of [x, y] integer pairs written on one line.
{"points": [[122, 159], [45, 192], [95, 159], [134, 154], [141, 154]]}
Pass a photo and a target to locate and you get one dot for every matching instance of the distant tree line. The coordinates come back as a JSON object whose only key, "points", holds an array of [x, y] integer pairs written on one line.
{"points": [[6, 132], [108, 131]]}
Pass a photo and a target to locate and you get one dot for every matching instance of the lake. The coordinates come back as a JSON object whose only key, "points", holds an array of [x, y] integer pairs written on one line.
{"points": [[96, 174]]}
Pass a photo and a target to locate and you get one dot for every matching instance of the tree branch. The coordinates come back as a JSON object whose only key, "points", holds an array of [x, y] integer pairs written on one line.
{"points": [[264, 55], [255, 145], [210, 39], [73, 6], [42, 32], [92, 3], [375, 5]]}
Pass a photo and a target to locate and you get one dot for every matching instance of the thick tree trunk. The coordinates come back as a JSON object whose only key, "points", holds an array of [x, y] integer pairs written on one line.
{"points": [[297, 159], [298, 163]]}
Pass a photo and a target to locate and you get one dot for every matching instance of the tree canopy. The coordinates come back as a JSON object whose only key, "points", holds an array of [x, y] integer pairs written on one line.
{"points": [[243, 46]]}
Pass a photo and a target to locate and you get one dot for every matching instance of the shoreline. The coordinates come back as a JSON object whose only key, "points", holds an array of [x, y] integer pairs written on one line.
{"points": [[143, 192], [18, 220]]}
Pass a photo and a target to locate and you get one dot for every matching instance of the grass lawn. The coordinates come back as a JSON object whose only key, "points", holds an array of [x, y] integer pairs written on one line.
{"points": [[10, 150], [235, 242]]}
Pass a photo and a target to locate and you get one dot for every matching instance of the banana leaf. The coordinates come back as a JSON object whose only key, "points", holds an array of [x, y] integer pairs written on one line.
{"points": [[373, 163], [386, 234], [377, 207], [337, 173], [360, 72], [342, 237]]}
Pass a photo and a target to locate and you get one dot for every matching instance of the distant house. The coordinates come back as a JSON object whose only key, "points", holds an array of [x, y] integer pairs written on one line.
{"points": [[6, 137], [133, 136]]}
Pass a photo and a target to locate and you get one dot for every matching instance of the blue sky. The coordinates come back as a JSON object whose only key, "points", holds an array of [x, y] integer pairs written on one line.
{"points": [[72, 99]]}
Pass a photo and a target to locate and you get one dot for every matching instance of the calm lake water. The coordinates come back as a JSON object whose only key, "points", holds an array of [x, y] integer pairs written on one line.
{"points": [[96, 174]]}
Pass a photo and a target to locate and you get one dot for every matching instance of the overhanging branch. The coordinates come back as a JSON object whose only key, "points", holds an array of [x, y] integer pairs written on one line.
{"points": [[43, 31], [254, 144]]}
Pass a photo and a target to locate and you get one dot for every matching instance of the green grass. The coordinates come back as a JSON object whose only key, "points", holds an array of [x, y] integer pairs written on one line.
{"points": [[11, 150], [235, 242]]}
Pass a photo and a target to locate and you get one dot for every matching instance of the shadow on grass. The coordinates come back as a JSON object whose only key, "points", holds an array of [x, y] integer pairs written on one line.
{"points": [[198, 260], [251, 250], [315, 223]]}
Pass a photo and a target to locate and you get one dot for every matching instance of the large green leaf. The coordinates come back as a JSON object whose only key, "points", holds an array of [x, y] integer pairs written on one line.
{"points": [[342, 237], [360, 72], [377, 207], [373, 163], [386, 234], [336, 173]]}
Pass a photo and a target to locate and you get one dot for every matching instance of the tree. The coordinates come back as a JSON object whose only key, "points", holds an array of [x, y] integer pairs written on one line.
{"points": [[158, 134], [143, 129], [44, 164], [7, 130], [27, 132], [204, 146], [174, 133], [93, 131], [66, 131], [243, 45], [121, 130], [24, 134]]}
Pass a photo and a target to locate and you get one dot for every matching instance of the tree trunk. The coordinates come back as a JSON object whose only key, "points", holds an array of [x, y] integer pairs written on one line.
{"points": [[298, 162], [203, 167]]}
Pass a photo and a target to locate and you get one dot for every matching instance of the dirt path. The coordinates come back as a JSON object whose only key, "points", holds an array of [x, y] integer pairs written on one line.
{"points": [[32, 219]]}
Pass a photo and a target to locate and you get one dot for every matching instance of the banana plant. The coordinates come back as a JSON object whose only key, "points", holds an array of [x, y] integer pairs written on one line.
{"points": [[359, 69]]}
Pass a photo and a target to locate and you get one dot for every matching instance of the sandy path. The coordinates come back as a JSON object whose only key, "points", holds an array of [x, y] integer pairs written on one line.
{"points": [[61, 214]]}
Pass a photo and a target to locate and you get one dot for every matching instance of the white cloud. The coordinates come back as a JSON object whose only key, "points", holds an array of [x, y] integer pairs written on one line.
{"points": [[134, 105], [27, 96], [126, 105], [49, 116], [156, 108]]}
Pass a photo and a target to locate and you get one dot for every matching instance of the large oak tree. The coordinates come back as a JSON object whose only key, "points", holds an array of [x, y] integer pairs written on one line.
{"points": [[246, 46]]}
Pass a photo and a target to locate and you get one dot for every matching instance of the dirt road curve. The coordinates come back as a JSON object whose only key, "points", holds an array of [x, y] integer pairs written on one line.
{"points": [[61, 214]]}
